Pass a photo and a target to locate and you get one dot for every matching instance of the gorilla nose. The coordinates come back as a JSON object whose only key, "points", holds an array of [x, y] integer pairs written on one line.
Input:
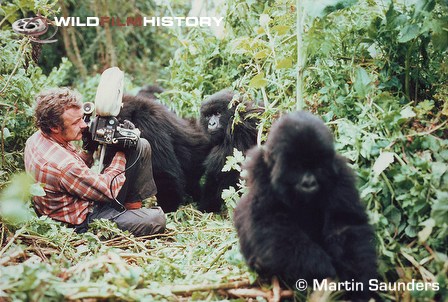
{"points": [[308, 184], [213, 125]]}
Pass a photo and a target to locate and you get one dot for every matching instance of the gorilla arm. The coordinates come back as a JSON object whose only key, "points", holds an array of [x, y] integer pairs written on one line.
{"points": [[348, 238], [343, 208]]}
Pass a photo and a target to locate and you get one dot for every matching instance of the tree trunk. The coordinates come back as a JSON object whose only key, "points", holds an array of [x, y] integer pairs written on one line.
{"points": [[70, 44]]}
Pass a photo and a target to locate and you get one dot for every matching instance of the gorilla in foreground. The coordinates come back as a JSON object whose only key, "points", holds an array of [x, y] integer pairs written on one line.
{"points": [[302, 217]]}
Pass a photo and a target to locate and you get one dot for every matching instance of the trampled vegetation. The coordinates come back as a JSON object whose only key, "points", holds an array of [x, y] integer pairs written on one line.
{"points": [[375, 71]]}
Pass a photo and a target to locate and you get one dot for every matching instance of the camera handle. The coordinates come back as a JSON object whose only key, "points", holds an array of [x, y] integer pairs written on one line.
{"points": [[101, 160]]}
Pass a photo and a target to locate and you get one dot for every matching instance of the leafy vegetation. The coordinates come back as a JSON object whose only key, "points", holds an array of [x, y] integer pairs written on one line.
{"points": [[375, 71]]}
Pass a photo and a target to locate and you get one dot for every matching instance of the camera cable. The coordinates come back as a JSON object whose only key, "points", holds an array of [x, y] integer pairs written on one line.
{"points": [[113, 179]]}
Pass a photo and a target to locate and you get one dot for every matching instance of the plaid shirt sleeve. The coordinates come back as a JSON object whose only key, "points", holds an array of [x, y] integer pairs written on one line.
{"points": [[79, 180]]}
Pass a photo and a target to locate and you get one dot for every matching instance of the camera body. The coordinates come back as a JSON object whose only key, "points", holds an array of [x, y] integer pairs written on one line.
{"points": [[104, 127], [108, 130]]}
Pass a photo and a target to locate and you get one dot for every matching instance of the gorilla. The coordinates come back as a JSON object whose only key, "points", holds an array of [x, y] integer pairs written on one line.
{"points": [[302, 217], [217, 122], [179, 148], [150, 92]]}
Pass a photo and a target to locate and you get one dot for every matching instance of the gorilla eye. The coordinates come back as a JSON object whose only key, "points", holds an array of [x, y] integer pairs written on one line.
{"points": [[209, 115]]}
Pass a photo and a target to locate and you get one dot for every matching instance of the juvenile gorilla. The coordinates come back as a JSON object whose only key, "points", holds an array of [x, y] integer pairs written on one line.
{"points": [[302, 217], [178, 149], [217, 121]]}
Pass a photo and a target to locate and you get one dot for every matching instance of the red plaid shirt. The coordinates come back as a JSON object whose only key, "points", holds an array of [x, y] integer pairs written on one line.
{"points": [[70, 185]]}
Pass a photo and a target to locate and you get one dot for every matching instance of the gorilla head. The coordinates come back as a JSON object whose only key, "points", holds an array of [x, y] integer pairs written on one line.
{"points": [[216, 115], [299, 151]]}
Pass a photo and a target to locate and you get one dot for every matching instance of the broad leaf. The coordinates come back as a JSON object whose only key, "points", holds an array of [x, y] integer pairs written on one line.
{"points": [[382, 162]]}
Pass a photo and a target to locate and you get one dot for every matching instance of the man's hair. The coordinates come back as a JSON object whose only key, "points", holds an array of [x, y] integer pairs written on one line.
{"points": [[51, 104]]}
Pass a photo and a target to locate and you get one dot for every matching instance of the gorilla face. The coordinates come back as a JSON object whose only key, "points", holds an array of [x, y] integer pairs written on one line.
{"points": [[216, 115], [215, 125], [300, 154], [302, 181]]}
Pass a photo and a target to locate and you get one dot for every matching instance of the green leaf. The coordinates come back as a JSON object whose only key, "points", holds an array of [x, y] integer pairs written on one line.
{"points": [[425, 106], [440, 40], [407, 113], [264, 20], [228, 193], [440, 208], [37, 190], [234, 161], [6, 133], [424, 234], [284, 63], [438, 169], [408, 33], [411, 231], [262, 54], [258, 81], [281, 29], [13, 200], [362, 82], [382, 162], [393, 215]]}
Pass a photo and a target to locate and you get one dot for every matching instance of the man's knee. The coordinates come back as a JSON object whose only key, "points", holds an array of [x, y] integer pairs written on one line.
{"points": [[145, 147], [144, 221], [158, 220]]}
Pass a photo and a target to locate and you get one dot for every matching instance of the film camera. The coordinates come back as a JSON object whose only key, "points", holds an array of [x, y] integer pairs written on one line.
{"points": [[104, 127], [108, 130]]}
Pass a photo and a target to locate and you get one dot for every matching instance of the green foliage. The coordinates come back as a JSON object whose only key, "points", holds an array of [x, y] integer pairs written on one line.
{"points": [[14, 200], [232, 195], [22, 80], [196, 248]]}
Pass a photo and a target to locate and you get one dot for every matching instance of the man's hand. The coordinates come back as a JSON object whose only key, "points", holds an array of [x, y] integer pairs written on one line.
{"points": [[127, 124], [88, 143]]}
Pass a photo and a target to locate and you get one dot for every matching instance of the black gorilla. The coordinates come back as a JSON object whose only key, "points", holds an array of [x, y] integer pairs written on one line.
{"points": [[302, 217], [179, 148], [217, 121], [150, 91]]}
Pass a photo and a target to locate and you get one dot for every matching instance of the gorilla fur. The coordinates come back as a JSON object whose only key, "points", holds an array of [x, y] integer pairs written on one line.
{"points": [[217, 121], [150, 92], [178, 149], [302, 217]]}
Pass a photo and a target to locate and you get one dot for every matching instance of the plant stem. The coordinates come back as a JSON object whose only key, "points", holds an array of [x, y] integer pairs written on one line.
{"points": [[17, 234], [300, 55], [187, 289]]}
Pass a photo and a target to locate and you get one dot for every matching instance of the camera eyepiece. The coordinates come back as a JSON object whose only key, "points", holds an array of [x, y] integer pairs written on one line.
{"points": [[88, 108]]}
